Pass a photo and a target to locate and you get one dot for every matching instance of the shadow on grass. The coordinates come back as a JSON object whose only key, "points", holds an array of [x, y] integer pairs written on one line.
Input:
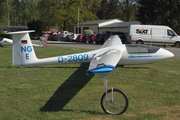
{"points": [[133, 67], [84, 111], [34, 67], [68, 90]]}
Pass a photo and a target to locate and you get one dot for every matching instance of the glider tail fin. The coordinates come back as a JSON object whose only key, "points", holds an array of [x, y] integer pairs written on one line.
{"points": [[23, 51]]}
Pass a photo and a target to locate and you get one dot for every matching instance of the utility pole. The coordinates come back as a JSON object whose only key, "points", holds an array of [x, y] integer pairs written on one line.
{"points": [[78, 20], [8, 12]]}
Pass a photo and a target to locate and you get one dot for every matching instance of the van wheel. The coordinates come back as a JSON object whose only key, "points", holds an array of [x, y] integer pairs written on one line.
{"points": [[177, 44], [139, 42]]}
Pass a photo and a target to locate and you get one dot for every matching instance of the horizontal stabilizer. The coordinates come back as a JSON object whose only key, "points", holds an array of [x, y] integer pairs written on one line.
{"points": [[20, 32]]}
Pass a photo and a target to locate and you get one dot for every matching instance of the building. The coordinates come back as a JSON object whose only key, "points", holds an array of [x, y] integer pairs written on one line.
{"points": [[51, 30], [100, 26]]}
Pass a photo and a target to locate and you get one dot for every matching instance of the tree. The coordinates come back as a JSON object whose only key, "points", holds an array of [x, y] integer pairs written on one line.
{"points": [[18, 12], [24, 11], [113, 9], [96, 6], [122, 9], [5, 12], [159, 12], [64, 13], [103, 11], [35, 25], [147, 11], [128, 9], [87, 10]]}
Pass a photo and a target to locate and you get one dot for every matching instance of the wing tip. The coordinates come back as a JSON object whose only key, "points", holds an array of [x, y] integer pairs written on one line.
{"points": [[101, 69]]}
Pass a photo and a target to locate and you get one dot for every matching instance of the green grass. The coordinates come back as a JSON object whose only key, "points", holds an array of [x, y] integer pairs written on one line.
{"points": [[64, 91]]}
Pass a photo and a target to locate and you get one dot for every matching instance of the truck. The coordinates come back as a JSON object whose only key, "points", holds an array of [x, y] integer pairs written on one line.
{"points": [[153, 34]]}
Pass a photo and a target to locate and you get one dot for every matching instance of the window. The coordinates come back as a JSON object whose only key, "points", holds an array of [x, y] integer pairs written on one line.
{"points": [[140, 49], [85, 28], [170, 33]]}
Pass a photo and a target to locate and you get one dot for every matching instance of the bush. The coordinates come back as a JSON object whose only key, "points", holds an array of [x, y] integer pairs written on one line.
{"points": [[88, 32]]}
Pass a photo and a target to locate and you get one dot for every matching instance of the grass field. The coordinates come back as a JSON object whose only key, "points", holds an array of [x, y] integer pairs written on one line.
{"points": [[65, 92]]}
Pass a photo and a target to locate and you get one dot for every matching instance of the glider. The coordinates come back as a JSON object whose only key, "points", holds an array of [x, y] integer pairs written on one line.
{"points": [[102, 61], [5, 41]]}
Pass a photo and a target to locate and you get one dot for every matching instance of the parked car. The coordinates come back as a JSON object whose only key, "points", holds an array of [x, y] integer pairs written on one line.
{"points": [[92, 38], [73, 37], [79, 38], [67, 38], [64, 36], [121, 35], [86, 38], [99, 38], [34, 36], [53, 37]]}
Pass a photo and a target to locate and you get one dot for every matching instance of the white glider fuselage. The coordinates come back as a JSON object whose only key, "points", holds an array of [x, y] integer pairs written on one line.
{"points": [[72, 58], [133, 58], [110, 53], [126, 59]]}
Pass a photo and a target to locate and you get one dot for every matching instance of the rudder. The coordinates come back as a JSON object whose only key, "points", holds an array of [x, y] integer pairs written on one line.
{"points": [[23, 51]]}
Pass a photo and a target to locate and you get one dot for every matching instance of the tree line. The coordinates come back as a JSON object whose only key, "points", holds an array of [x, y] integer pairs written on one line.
{"points": [[40, 14]]}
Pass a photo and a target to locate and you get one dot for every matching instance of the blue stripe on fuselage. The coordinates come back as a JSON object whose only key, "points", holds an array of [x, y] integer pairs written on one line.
{"points": [[139, 56]]}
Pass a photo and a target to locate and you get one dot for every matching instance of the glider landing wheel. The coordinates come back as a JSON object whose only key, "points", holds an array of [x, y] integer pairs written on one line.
{"points": [[114, 102]]}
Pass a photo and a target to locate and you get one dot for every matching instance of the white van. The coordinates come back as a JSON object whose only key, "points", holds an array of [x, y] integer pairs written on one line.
{"points": [[153, 34]]}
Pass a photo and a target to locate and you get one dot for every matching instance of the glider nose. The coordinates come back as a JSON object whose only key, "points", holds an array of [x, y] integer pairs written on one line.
{"points": [[167, 54]]}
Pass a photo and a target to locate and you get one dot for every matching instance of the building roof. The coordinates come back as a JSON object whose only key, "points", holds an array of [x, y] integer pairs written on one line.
{"points": [[120, 24], [95, 22]]}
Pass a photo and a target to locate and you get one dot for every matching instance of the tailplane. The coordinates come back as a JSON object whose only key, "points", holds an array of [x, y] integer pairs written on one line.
{"points": [[23, 51]]}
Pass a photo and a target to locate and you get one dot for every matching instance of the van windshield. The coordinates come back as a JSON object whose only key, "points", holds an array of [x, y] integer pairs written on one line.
{"points": [[170, 33], [140, 49]]}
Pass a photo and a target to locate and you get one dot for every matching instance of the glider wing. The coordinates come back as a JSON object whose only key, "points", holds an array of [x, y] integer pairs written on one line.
{"points": [[105, 62]]}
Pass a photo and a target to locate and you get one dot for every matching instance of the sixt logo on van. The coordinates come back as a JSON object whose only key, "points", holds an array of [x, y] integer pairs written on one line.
{"points": [[141, 31]]}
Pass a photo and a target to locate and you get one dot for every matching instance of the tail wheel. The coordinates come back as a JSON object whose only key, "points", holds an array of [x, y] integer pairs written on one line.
{"points": [[114, 102]]}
